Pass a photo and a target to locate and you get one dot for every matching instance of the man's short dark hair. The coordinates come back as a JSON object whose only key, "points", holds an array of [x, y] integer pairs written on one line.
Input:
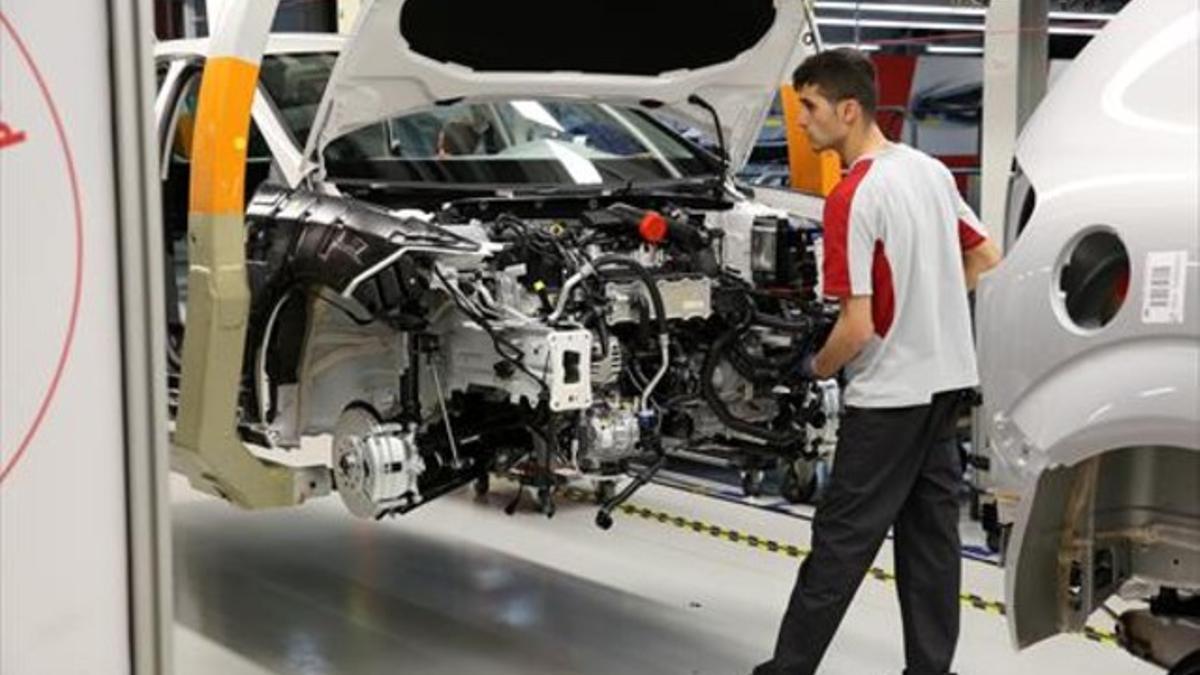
{"points": [[840, 74]]}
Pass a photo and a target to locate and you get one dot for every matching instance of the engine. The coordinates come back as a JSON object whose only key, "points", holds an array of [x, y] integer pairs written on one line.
{"points": [[440, 348]]}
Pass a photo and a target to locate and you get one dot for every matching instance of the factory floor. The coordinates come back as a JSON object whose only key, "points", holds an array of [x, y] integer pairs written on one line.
{"points": [[684, 583]]}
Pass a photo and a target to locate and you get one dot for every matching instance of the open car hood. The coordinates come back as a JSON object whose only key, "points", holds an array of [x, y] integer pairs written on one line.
{"points": [[406, 55]]}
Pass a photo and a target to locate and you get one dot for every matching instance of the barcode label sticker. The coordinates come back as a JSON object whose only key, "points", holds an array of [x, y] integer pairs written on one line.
{"points": [[1165, 285]]}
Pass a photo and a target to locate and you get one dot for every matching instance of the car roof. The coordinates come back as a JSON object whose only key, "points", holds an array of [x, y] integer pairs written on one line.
{"points": [[277, 43]]}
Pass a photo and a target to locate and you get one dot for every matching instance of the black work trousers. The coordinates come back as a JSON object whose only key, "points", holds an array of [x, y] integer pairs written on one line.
{"points": [[893, 467]]}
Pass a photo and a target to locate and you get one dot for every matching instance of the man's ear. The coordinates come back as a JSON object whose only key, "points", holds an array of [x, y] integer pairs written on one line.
{"points": [[848, 111]]}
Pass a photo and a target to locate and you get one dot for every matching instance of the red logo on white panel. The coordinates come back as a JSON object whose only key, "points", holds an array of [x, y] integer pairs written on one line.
{"points": [[38, 343]]}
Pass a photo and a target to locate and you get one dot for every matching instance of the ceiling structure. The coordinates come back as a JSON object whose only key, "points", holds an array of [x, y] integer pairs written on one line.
{"points": [[949, 26]]}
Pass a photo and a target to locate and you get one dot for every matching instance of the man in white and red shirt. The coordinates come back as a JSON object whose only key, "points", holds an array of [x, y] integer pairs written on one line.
{"points": [[901, 252]]}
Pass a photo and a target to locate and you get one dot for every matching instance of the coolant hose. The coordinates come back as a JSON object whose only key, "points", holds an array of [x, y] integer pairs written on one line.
{"points": [[707, 370]]}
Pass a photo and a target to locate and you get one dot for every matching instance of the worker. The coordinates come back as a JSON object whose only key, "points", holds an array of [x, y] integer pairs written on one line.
{"points": [[901, 252], [457, 137]]}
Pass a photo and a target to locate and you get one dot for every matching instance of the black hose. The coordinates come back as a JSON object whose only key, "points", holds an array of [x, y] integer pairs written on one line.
{"points": [[660, 313], [711, 359], [802, 326], [602, 332], [764, 368], [761, 370]]}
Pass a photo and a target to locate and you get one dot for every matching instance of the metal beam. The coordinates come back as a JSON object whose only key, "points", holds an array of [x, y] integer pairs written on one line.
{"points": [[207, 445], [1016, 61], [143, 342], [347, 13]]}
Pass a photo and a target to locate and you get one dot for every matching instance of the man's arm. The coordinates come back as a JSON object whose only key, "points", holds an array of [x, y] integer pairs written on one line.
{"points": [[851, 333], [979, 252], [980, 259], [851, 228]]}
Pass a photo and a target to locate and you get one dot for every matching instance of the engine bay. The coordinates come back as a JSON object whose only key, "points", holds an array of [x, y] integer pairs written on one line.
{"points": [[590, 341]]}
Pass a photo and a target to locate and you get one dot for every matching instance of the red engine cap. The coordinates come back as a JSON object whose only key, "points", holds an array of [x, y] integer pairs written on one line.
{"points": [[653, 227]]}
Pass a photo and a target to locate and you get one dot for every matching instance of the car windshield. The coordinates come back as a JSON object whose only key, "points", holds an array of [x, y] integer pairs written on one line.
{"points": [[510, 142]]}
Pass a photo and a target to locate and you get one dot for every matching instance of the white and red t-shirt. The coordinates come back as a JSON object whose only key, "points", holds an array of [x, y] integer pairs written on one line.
{"points": [[896, 229]]}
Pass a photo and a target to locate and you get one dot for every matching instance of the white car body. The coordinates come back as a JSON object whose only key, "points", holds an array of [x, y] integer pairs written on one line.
{"points": [[381, 75], [388, 314]]}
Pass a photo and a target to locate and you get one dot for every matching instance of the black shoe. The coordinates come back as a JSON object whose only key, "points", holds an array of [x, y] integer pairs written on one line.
{"points": [[767, 668]]}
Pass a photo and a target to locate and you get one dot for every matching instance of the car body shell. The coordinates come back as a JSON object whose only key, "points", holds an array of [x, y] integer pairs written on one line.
{"points": [[1112, 149]]}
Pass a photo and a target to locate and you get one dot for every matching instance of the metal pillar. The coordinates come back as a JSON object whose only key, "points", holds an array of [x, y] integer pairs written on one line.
{"points": [[207, 446], [1015, 64], [347, 12], [139, 233], [213, 10]]}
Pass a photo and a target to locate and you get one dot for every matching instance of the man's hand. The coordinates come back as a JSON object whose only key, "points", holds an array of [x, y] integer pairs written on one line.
{"points": [[808, 366], [978, 260], [853, 330]]}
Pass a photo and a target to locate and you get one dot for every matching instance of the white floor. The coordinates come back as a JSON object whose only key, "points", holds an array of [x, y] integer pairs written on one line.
{"points": [[458, 587]]}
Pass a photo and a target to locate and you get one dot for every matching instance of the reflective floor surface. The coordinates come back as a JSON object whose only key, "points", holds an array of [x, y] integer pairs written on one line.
{"points": [[459, 588]]}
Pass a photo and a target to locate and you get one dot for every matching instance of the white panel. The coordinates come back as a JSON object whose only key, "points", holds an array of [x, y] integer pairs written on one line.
{"points": [[63, 572]]}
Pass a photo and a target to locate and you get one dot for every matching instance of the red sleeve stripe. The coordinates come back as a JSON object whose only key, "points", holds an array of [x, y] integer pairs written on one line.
{"points": [[969, 237], [837, 232], [837, 269], [883, 293]]}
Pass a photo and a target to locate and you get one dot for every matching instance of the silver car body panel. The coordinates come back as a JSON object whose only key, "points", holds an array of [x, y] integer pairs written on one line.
{"points": [[1113, 148]]}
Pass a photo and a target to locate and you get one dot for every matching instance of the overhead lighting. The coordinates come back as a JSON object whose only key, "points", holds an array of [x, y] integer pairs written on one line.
{"points": [[937, 25], [1068, 30], [861, 48], [938, 10], [886, 23], [900, 9], [951, 49], [1080, 16]]}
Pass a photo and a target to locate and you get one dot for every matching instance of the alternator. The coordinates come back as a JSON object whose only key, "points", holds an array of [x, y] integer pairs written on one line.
{"points": [[375, 465]]}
